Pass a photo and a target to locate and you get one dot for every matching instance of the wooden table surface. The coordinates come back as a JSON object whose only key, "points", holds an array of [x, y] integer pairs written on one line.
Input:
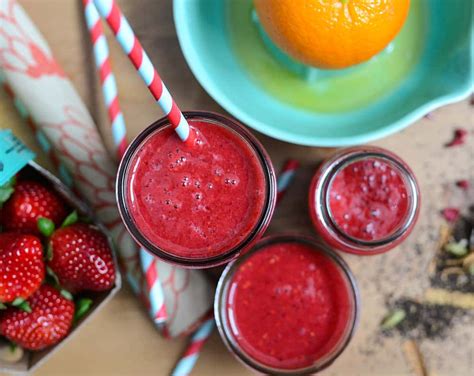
{"points": [[121, 340]]}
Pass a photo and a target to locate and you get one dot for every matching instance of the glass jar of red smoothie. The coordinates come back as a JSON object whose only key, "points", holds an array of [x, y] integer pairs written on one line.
{"points": [[197, 204], [289, 306], [364, 200]]}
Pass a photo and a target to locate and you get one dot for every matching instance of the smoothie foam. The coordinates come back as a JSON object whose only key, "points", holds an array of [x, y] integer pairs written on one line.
{"points": [[199, 200]]}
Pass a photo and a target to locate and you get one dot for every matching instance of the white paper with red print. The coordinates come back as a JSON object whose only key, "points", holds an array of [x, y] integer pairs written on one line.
{"points": [[39, 82]]}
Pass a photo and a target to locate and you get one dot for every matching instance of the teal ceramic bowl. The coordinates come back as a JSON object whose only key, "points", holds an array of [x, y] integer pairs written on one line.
{"points": [[441, 74]]}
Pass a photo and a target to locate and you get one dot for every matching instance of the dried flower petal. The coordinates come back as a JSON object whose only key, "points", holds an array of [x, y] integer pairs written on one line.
{"points": [[463, 184], [459, 137], [451, 214]]}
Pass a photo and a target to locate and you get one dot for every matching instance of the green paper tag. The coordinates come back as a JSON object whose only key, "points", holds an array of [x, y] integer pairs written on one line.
{"points": [[14, 155]]}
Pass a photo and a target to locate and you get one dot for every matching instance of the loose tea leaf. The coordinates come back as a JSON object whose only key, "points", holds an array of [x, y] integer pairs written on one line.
{"points": [[451, 271], [458, 249], [393, 319], [468, 264], [431, 319]]}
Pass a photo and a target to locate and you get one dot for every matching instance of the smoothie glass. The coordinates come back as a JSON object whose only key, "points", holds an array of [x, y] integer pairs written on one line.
{"points": [[289, 306], [197, 204], [364, 200]]}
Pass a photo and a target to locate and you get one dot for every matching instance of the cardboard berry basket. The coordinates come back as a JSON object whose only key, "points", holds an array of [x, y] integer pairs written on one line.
{"points": [[30, 360]]}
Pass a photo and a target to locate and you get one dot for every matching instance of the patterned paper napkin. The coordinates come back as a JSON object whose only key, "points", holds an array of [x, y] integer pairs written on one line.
{"points": [[57, 110]]}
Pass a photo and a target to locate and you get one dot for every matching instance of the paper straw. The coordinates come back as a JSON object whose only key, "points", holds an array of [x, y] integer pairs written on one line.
{"points": [[187, 361], [41, 138], [286, 176], [124, 34], [107, 79], [155, 289]]}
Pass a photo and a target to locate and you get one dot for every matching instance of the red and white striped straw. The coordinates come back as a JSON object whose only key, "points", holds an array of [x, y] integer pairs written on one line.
{"points": [[107, 79], [153, 288], [187, 361], [287, 173], [124, 34], [156, 296]]}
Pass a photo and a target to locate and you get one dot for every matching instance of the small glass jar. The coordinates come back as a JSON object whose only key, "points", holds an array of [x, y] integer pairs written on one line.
{"points": [[287, 307], [364, 200], [198, 205]]}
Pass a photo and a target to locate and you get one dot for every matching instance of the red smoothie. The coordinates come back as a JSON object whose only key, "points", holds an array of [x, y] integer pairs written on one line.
{"points": [[289, 305], [368, 199], [364, 200], [196, 201]]}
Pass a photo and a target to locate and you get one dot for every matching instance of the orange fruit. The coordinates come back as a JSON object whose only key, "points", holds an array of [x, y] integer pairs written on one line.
{"points": [[332, 34]]}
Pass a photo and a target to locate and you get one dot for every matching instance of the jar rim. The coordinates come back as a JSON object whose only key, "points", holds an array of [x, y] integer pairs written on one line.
{"points": [[204, 262], [334, 165], [221, 294]]}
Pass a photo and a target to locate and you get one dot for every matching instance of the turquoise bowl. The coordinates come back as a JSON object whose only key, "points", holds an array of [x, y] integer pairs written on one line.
{"points": [[442, 75]]}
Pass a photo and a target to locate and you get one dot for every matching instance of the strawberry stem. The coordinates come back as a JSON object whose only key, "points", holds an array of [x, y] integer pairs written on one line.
{"points": [[82, 307], [53, 276], [49, 252], [2, 306], [46, 226], [6, 190], [12, 346], [66, 294], [22, 304], [70, 219]]}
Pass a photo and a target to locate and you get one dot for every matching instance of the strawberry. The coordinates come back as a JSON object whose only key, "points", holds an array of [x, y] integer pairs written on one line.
{"points": [[29, 202], [81, 258], [21, 266], [48, 322]]}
